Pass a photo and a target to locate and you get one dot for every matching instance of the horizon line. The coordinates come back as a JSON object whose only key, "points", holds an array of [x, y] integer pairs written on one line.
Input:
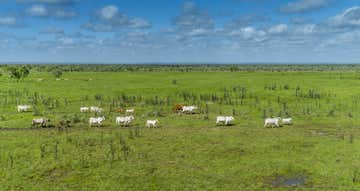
{"points": [[179, 63]]}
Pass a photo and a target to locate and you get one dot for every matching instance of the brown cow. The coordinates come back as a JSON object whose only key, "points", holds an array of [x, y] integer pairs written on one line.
{"points": [[120, 110], [178, 107]]}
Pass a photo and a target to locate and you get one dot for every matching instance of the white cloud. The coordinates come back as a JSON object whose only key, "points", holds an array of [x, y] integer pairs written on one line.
{"points": [[347, 41], [304, 6], [38, 10], [305, 29], [191, 17], [110, 19], [108, 12], [309, 29], [64, 14], [139, 23], [8, 21], [250, 33], [50, 11], [349, 18], [66, 41], [278, 29], [199, 32]]}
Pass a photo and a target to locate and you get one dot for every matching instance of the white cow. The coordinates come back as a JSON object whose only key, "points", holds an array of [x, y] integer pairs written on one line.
{"points": [[130, 111], [124, 120], [272, 122], [226, 120], [96, 120], [84, 109], [96, 109], [23, 108], [287, 121], [42, 122], [189, 109], [152, 123]]}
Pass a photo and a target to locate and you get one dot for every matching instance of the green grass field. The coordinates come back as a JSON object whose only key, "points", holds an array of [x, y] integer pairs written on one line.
{"points": [[321, 151]]}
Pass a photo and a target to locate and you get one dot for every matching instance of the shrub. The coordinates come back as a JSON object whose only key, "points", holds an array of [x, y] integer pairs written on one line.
{"points": [[57, 73], [98, 97], [18, 72]]}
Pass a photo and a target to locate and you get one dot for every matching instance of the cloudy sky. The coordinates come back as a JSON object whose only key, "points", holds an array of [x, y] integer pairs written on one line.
{"points": [[177, 31]]}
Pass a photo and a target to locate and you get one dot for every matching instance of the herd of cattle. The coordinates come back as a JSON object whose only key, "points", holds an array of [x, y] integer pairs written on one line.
{"points": [[152, 123]]}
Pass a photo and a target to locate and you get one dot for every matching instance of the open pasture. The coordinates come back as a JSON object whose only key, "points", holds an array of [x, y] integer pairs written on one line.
{"points": [[320, 151]]}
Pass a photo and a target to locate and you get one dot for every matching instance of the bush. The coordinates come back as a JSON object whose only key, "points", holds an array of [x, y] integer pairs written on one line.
{"points": [[75, 119], [98, 97], [18, 72], [57, 73]]}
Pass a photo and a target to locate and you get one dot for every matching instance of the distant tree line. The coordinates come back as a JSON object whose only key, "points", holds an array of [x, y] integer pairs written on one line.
{"points": [[20, 71]]}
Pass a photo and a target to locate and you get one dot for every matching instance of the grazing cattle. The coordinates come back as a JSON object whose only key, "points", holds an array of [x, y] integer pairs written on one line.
{"points": [[119, 110], [226, 120], [42, 122], [124, 120], [96, 121], [189, 109], [130, 111], [152, 123], [287, 121], [84, 109], [178, 107], [272, 122], [23, 108], [96, 109]]}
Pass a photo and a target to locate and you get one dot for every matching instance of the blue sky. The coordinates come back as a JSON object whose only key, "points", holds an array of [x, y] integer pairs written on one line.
{"points": [[177, 31]]}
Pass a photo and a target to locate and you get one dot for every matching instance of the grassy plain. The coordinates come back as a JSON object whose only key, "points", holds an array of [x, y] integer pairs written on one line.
{"points": [[321, 151]]}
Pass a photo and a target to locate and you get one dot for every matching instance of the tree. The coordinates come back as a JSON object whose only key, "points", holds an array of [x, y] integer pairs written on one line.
{"points": [[24, 71], [57, 73], [18, 72]]}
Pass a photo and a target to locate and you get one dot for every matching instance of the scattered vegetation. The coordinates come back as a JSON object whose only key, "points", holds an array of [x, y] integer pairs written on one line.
{"points": [[187, 152], [57, 73], [19, 72]]}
